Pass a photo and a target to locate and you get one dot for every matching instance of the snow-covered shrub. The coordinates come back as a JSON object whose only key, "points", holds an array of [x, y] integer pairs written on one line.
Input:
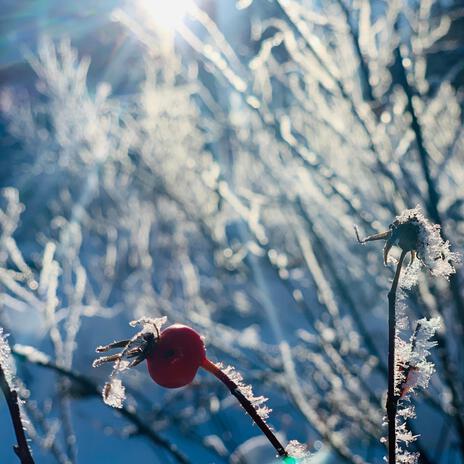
{"points": [[213, 175]]}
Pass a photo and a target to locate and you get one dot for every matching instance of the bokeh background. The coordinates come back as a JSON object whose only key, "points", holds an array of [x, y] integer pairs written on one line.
{"points": [[206, 161]]}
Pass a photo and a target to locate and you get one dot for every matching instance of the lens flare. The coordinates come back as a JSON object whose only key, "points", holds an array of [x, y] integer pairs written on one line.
{"points": [[168, 14]]}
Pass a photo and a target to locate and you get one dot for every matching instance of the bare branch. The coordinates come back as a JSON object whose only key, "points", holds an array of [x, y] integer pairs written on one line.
{"points": [[22, 449]]}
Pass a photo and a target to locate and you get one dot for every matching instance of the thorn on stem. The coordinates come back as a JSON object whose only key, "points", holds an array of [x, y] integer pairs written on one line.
{"points": [[371, 238], [356, 231]]}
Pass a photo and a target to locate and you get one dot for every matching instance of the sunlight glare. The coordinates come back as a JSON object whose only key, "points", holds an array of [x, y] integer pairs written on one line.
{"points": [[168, 14]]}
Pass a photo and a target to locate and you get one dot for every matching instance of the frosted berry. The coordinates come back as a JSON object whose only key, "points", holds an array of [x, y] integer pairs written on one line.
{"points": [[176, 356], [173, 358]]}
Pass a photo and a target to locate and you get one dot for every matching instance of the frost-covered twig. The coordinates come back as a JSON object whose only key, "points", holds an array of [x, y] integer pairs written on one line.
{"points": [[11, 396], [414, 234], [173, 357], [392, 398], [237, 391], [22, 449]]}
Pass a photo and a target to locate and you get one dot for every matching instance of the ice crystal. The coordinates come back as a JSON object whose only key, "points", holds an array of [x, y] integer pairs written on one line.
{"points": [[410, 275], [412, 366], [297, 450], [5, 358], [407, 457], [403, 434], [426, 329], [258, 402], [114, 393], [149, 323], [412, 370]]}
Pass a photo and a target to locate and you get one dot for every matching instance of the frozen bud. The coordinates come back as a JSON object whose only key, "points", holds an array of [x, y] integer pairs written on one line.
{"points": [[414, 233]]}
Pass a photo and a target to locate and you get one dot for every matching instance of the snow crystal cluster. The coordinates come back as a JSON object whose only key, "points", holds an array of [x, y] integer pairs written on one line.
{"points": [[299, 451], [413, 370]]}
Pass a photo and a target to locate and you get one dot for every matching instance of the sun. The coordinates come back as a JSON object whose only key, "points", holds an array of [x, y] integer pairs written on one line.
{"points": [[168, 14]]}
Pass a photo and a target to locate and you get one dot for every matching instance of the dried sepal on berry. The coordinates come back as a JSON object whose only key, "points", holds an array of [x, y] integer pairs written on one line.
{"points": [[134, 351]]}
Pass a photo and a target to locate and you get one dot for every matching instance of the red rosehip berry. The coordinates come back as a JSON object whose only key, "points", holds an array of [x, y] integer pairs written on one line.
{"points": [[176, 356], [173, 359]]}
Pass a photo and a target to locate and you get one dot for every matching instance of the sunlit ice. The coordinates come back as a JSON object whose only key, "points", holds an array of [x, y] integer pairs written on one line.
{"points": [[167, 14]]}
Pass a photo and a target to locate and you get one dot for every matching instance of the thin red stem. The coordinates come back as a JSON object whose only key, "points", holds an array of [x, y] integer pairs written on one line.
{"points": [[246, 404]]}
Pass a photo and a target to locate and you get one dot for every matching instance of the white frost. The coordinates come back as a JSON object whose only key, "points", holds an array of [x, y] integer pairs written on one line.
{"points": [[297, 450], [114, 393], [258, 402], [148, 323], [412, 371], [6, 361]]}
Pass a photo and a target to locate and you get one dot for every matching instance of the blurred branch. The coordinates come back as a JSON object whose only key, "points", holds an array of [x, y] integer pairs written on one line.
{"points": [[310, 160], [364, 68], [48, 441], [340, 85]]}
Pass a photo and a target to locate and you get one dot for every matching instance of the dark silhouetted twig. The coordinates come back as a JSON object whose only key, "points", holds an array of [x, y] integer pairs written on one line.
{"points": [[392, 398], [249, 408], [22, 449]]}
